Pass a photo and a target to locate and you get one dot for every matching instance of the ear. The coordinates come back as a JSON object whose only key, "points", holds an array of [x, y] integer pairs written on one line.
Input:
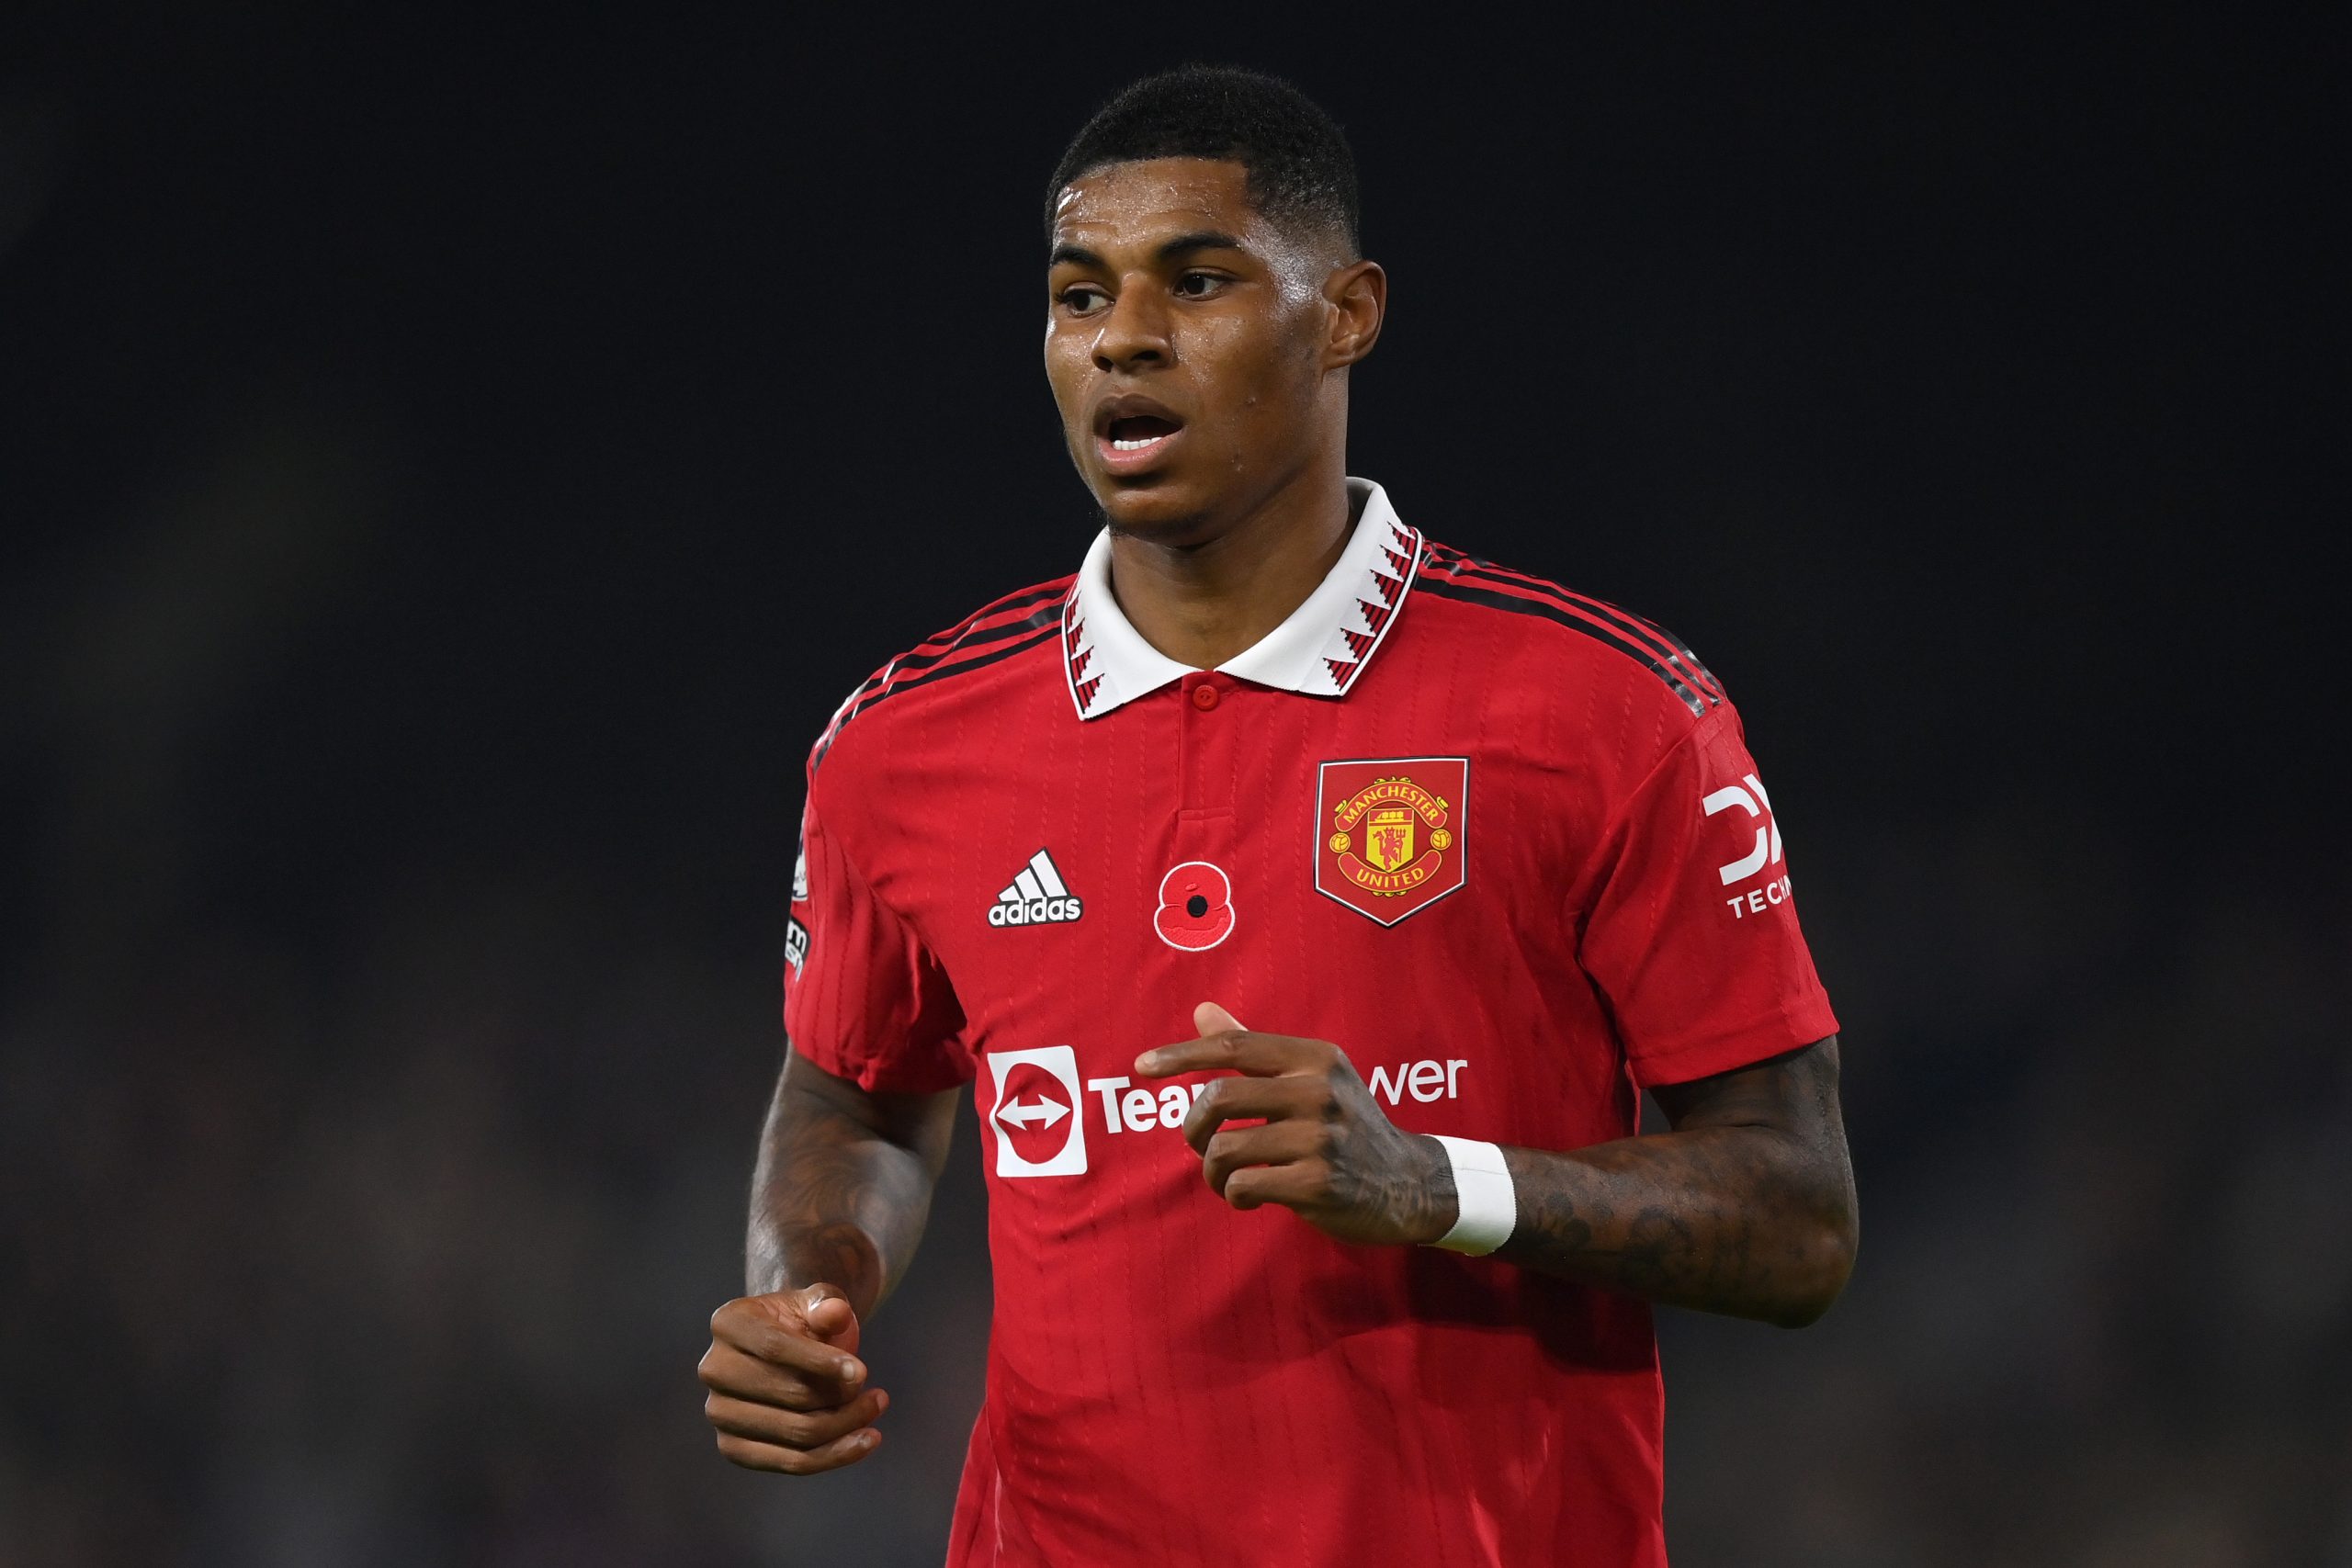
{"points": [[1358, 295]]}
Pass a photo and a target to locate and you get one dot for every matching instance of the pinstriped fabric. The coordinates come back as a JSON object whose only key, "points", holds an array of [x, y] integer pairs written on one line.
{"points": [[1456, 576], [1174, 1382], [1013, 624], [1663, 641]]}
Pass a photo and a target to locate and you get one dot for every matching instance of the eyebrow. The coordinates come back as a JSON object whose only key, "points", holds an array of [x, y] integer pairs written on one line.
{"points": [[1199, 240], [1168, 250]]}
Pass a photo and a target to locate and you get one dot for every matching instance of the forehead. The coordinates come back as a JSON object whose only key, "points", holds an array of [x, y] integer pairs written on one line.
{"points": [[1134, 203]]}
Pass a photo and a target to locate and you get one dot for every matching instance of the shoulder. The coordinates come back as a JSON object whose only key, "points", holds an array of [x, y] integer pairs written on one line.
{"points": [[1566, 631], [1578, 677], [978, 652]]}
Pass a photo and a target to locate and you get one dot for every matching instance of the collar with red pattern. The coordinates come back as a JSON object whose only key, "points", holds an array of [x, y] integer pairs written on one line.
{"points": [[1320, 651]]}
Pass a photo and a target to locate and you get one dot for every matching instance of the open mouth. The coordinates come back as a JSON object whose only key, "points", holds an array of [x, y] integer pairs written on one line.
{"points": [[1132, 431], [1140, 432]]}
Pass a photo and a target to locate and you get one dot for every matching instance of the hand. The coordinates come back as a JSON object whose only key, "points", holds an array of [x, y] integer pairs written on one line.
{"points": [[787, 1390], [1326, 1151]]}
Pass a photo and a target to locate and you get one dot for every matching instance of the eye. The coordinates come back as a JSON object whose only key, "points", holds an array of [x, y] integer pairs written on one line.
{"points": [[1198, 285], [1081, 298]]}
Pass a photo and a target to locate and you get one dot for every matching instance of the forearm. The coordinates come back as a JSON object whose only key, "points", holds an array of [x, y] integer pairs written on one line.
{"points": [[1742, 1220], [839, 1195]]}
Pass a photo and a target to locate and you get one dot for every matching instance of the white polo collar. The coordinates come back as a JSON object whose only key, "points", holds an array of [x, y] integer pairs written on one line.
{"points": [[1318, 651]]}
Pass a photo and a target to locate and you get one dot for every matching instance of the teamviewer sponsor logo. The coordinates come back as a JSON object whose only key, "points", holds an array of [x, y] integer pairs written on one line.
{"points": [[1037, 896], [1038, 1129]]}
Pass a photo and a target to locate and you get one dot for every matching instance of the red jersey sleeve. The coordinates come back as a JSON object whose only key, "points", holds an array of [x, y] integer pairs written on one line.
{"points": [[863, 997], [1690, 933]]}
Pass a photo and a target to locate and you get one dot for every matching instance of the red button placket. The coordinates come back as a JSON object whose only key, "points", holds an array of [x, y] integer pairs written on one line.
{"points": [[1205, 726], [1197, 897]]}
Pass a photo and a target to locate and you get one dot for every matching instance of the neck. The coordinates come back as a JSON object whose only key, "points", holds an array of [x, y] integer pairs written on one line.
{"points": [[1203, 602]]}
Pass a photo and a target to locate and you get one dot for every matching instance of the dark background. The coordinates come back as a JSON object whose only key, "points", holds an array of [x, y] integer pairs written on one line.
{"points": [[451, 465]]}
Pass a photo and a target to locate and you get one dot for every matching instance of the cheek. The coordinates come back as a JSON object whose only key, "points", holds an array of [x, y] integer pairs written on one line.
{"points": [[1066, 367], [1265, 413], [1253, 383]]}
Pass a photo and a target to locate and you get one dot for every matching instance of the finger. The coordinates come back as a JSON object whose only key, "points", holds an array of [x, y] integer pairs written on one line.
{"points": [[754, 1455], [793, 1428], [1278, 1142], [756, 1330], [1263, 1056], [1226, 1101], [1298, 1186], [725, 1370], [1210, 1019]]}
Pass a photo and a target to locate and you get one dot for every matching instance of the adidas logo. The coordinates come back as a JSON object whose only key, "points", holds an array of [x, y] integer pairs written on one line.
{"points": [[1037, 897]]}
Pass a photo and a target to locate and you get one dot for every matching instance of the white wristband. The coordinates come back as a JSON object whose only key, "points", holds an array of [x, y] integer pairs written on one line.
{"points": [[1489, 1204]]}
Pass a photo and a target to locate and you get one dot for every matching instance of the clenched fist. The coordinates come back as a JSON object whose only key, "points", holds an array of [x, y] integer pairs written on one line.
{"points": [[787, 1390]]}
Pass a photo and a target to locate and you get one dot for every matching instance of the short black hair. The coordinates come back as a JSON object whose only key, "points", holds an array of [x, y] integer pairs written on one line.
{"points": [[1300, 170]]}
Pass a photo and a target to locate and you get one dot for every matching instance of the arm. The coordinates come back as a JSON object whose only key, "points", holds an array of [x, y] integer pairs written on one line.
{"points": [[1746, 1207], [838, 1203], [843, 1184]]}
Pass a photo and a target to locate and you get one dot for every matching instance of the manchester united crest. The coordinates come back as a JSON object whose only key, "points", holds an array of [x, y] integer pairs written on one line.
{"points": [[1391, 833]]}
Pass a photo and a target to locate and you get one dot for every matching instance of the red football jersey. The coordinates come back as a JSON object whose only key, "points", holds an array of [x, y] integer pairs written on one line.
{"points": [[1502, 843]]}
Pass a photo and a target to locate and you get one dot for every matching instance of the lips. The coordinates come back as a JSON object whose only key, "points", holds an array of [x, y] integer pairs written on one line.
{"points": [[1132, 432]]}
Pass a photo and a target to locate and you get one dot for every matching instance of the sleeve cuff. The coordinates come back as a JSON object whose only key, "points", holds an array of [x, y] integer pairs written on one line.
{"points": [[1761, 1042], [951, 1069]]}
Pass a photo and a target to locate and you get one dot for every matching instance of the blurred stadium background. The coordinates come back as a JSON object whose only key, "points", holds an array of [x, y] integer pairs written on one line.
{"points": [[451, 464]]}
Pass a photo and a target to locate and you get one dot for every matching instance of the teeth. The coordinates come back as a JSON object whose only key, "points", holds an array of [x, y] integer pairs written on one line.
{"points": [[1135, 445]]}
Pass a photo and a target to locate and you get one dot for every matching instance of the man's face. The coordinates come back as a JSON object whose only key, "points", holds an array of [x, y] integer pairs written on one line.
{"points": [[1186, 343]]}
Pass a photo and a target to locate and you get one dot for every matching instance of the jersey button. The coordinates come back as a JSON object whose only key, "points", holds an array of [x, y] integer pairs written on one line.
{"points": [[1204, 696]]}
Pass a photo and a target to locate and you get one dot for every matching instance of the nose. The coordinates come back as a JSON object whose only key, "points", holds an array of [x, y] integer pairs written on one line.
{"points": [[1133, 333]]}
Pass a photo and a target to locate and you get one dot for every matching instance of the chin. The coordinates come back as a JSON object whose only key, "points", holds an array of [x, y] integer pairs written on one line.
{"points": [[1164, 513]]}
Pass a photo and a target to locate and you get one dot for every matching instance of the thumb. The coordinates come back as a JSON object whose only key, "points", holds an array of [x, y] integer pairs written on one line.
{"points": [[1211, 1018], [826, 1310]]}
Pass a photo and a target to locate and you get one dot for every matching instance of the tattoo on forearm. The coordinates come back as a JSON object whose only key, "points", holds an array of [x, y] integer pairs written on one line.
{"points": [[1744, 1209], [834, 1199]]}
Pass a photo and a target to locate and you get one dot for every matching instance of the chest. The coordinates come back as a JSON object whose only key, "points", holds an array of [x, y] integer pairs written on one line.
{"points": [[1217, 838]]}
